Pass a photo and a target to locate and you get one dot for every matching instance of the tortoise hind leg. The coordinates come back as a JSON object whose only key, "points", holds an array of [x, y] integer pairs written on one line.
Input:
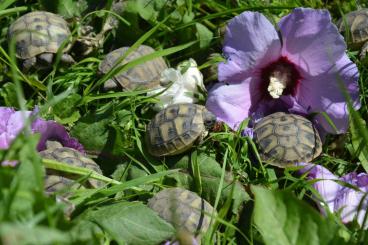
{"points": [[67, 59], [29, 63], [364, 51], [45, 59]]}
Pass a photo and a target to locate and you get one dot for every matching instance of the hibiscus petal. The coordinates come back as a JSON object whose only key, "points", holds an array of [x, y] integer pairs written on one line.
{"points": [[230, 102], [285, 103], [352, 204], [5, 113], [327, 187], [311, 40], [323, 93], [250, 39], [51, 130], [16, 122], [362, 181], [4, 141]]}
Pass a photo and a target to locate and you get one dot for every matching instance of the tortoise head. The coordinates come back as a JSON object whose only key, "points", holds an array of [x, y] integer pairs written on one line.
{"points": [[209, 119]]}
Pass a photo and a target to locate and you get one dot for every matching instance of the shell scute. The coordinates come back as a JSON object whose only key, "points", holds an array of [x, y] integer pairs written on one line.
{"points": [[175, 129], [357, 23], [285, 139], [145, 75], [55, 180], [38, 32], [184, 209]]}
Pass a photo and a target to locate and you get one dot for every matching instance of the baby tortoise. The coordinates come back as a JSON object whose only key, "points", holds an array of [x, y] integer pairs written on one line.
{"points": [[285, 139], [357, 24], [185, 210], [145, 75], [38, 35], [177, 127], [55, 180]]}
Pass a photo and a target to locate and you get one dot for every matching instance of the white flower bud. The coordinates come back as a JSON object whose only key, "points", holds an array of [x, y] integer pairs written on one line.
{"points": [[185, 81]]}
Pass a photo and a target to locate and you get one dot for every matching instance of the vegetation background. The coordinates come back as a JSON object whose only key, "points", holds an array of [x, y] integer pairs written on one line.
{"points": [[256, 203]]}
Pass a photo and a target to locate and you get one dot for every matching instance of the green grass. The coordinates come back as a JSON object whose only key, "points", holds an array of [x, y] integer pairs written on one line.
{"points": [[225, 170]]}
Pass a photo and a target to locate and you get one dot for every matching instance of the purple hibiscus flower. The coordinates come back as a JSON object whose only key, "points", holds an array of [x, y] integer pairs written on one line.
{"points": [[12, 122], [301, 70], [350, 203]]}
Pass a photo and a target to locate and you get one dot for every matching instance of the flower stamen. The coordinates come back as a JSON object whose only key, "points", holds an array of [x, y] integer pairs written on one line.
{"points": [[276, 87], [280, 78]]}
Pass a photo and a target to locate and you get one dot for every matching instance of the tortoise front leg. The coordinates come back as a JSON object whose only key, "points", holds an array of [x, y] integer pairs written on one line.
{"points": [[364, 51], [67, 59], [45, 59], [29, 63]]}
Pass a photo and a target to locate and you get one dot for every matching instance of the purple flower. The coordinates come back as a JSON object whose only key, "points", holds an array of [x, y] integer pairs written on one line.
{"points": [[301, 71], [350, 203], [248, 132], [12, 122]]}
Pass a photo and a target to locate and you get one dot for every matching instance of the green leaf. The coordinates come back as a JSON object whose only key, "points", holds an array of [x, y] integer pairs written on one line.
{"points": [[85, 231], [283, 219], [66, 8], [204, 35], [92, 131], [64, 167], [65, 111], [7, 91], [357, 141], [27, 183], [6, 3], [210, 173], [146, 9], [188, 17], [137, 182], [23, 234], [132, 223]]}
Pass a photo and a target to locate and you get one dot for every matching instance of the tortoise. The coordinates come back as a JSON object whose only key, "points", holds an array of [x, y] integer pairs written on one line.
{"points": [[184, 209], [145, 75], [177, 128], [38, 35], [285, 139], [55, 180], [357, 23]]}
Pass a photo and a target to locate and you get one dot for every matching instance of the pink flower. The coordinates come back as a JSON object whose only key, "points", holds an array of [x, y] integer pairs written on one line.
{"points": [[302, 69], [350, 203], [12, 123]]}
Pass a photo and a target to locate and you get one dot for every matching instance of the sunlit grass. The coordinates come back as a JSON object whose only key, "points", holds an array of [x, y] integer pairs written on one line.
{"points": [[111, 125]]}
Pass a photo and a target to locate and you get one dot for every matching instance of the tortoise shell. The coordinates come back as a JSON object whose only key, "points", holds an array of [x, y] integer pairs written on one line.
{"points": [[145, 75], [357, 22], [176, 128], [55, 180], [184, 209], [38, 32], [284, 139]]}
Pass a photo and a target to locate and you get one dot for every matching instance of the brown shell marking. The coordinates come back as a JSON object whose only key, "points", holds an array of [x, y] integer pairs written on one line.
{"points": [[183, 209], [55, 180], [145, 75], [357, 21], [38, 32], [174, 130], [285, 139]]}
